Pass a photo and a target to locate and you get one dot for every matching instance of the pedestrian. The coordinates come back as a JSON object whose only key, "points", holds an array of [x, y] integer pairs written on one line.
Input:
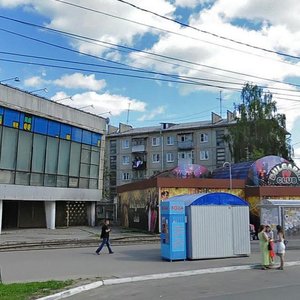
{"points": [[271, 244], [280, 246], [105, 238], [263, 243]]}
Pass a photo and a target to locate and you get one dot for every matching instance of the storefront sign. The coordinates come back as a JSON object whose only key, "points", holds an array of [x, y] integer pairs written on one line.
{"points": [[284, 174]]}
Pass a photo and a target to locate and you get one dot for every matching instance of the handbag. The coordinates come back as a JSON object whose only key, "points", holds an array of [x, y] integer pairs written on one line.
{"points": [[269, 246]]}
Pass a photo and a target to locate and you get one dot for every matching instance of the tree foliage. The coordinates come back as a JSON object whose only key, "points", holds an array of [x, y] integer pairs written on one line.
{"points": [[259, 129]]}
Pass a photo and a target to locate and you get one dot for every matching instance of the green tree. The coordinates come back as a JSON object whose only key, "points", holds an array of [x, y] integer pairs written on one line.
{"points": [[259, 129]]}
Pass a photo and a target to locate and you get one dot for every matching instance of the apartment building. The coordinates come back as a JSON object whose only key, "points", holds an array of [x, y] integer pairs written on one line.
{"points": [[134, 154]]}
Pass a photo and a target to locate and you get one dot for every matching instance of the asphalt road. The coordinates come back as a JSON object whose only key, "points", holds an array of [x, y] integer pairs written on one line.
{"points": [[127, 261], [252, 284]]}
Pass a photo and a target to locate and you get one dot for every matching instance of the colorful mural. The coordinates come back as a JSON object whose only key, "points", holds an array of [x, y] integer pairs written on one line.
{"points": [[140, 208], [190, 171]]}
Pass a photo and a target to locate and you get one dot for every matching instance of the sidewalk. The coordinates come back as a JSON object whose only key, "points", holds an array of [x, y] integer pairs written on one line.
{"points": [[82, 236], [69, 237]]}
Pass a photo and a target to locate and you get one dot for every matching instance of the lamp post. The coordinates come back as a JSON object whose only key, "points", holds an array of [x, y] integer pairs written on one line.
{"points": [[65, 98], [16, 79], [92, 106], [107, 112], [226, 163], [39, 90]]}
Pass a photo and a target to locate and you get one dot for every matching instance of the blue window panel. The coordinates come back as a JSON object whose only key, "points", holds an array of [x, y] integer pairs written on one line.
{"points": [[40, 125], [22, 119], [86, 137], [65, 131], [11, 117], [1, 115], [53, 128], [26, 121], [96, 138], [76, 134]]}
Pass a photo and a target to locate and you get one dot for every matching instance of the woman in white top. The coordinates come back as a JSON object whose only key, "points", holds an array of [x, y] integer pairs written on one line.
{"points": [[280, 246]]}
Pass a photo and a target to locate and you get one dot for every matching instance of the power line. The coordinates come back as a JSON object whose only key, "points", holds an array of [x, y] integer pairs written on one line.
{"points": [[203, 31], [159, 29], [133, 49], [184, 78], [191, 80]]}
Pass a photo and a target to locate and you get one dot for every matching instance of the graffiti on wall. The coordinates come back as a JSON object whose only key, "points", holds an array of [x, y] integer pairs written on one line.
{"points": [[140, 208]]}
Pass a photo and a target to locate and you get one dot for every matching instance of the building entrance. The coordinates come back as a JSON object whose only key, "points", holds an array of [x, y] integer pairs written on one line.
{"points": [[10, 214]]}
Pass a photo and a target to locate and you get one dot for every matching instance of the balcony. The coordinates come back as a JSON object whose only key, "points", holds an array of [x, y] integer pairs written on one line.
{"points": [[139, 165], [186, 145], [138, 148]]}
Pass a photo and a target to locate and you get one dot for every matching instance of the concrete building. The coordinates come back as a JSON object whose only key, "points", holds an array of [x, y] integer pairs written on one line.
{"points": [[51, 162], [134, 154]]}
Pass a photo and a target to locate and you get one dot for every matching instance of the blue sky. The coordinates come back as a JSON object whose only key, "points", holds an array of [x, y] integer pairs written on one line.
{"points": [[210, 50]]}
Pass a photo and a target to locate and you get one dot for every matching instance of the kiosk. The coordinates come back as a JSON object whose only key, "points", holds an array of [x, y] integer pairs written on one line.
{"points": [[173, 233]]}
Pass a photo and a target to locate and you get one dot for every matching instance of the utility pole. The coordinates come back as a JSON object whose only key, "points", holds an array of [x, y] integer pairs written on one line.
{"points": [[220, 99], [127, 121]]}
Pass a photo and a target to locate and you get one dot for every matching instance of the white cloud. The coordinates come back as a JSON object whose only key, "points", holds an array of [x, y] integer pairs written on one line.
{"points": [[13, 3], [191, 3], [115, 104], [153, 113], [34, 81], [78, 80], [100, 26]]}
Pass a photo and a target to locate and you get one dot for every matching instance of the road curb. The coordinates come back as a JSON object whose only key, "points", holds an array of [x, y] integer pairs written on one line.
{"points": [[73, 291], [113, 281]]}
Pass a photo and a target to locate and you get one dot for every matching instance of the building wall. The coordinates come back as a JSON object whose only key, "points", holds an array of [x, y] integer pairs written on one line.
{"points": [[49, 152]]}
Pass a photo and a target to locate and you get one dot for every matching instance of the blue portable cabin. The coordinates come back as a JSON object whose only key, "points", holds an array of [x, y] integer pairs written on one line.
{"points": [[217, 225]]}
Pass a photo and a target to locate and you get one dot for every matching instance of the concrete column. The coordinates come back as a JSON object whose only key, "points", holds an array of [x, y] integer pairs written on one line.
{"points": [[50, 209], [1, 212], [91, 213]]}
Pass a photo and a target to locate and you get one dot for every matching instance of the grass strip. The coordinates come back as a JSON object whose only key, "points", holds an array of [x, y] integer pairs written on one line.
{"points": [[31, 290]]}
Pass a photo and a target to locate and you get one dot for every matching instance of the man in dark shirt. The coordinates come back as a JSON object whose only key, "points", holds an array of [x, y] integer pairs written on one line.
{"points": [[105, 238]]}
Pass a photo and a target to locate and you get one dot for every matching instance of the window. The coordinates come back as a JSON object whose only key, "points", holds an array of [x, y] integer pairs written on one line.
{"points": [[170, 140], [155, 141], [63, 158], [38, 153], [74, 160], [51, 155], [125, 160], [125, 144], [125, 176], [113, 147], [170, 157], [203, 137], [24, 151], [186, 155], [204, 155], [9, 148], [155, 158]]}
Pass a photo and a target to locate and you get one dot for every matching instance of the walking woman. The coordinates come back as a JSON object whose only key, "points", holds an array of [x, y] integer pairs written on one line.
{"points": [[263, 243], [280, 246]]}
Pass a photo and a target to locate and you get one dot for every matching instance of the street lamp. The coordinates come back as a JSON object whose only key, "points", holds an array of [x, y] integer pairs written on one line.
{"points": [[107, 112], [62, 99], [92, 106], [16, 79], [226, 163], [39, 90]]}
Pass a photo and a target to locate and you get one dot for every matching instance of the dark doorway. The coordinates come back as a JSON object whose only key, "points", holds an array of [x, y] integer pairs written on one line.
{"points": [[32, 214], [10, 214]]}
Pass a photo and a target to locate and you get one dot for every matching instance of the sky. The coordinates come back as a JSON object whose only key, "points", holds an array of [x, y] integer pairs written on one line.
{"points": [[142, 62]]}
